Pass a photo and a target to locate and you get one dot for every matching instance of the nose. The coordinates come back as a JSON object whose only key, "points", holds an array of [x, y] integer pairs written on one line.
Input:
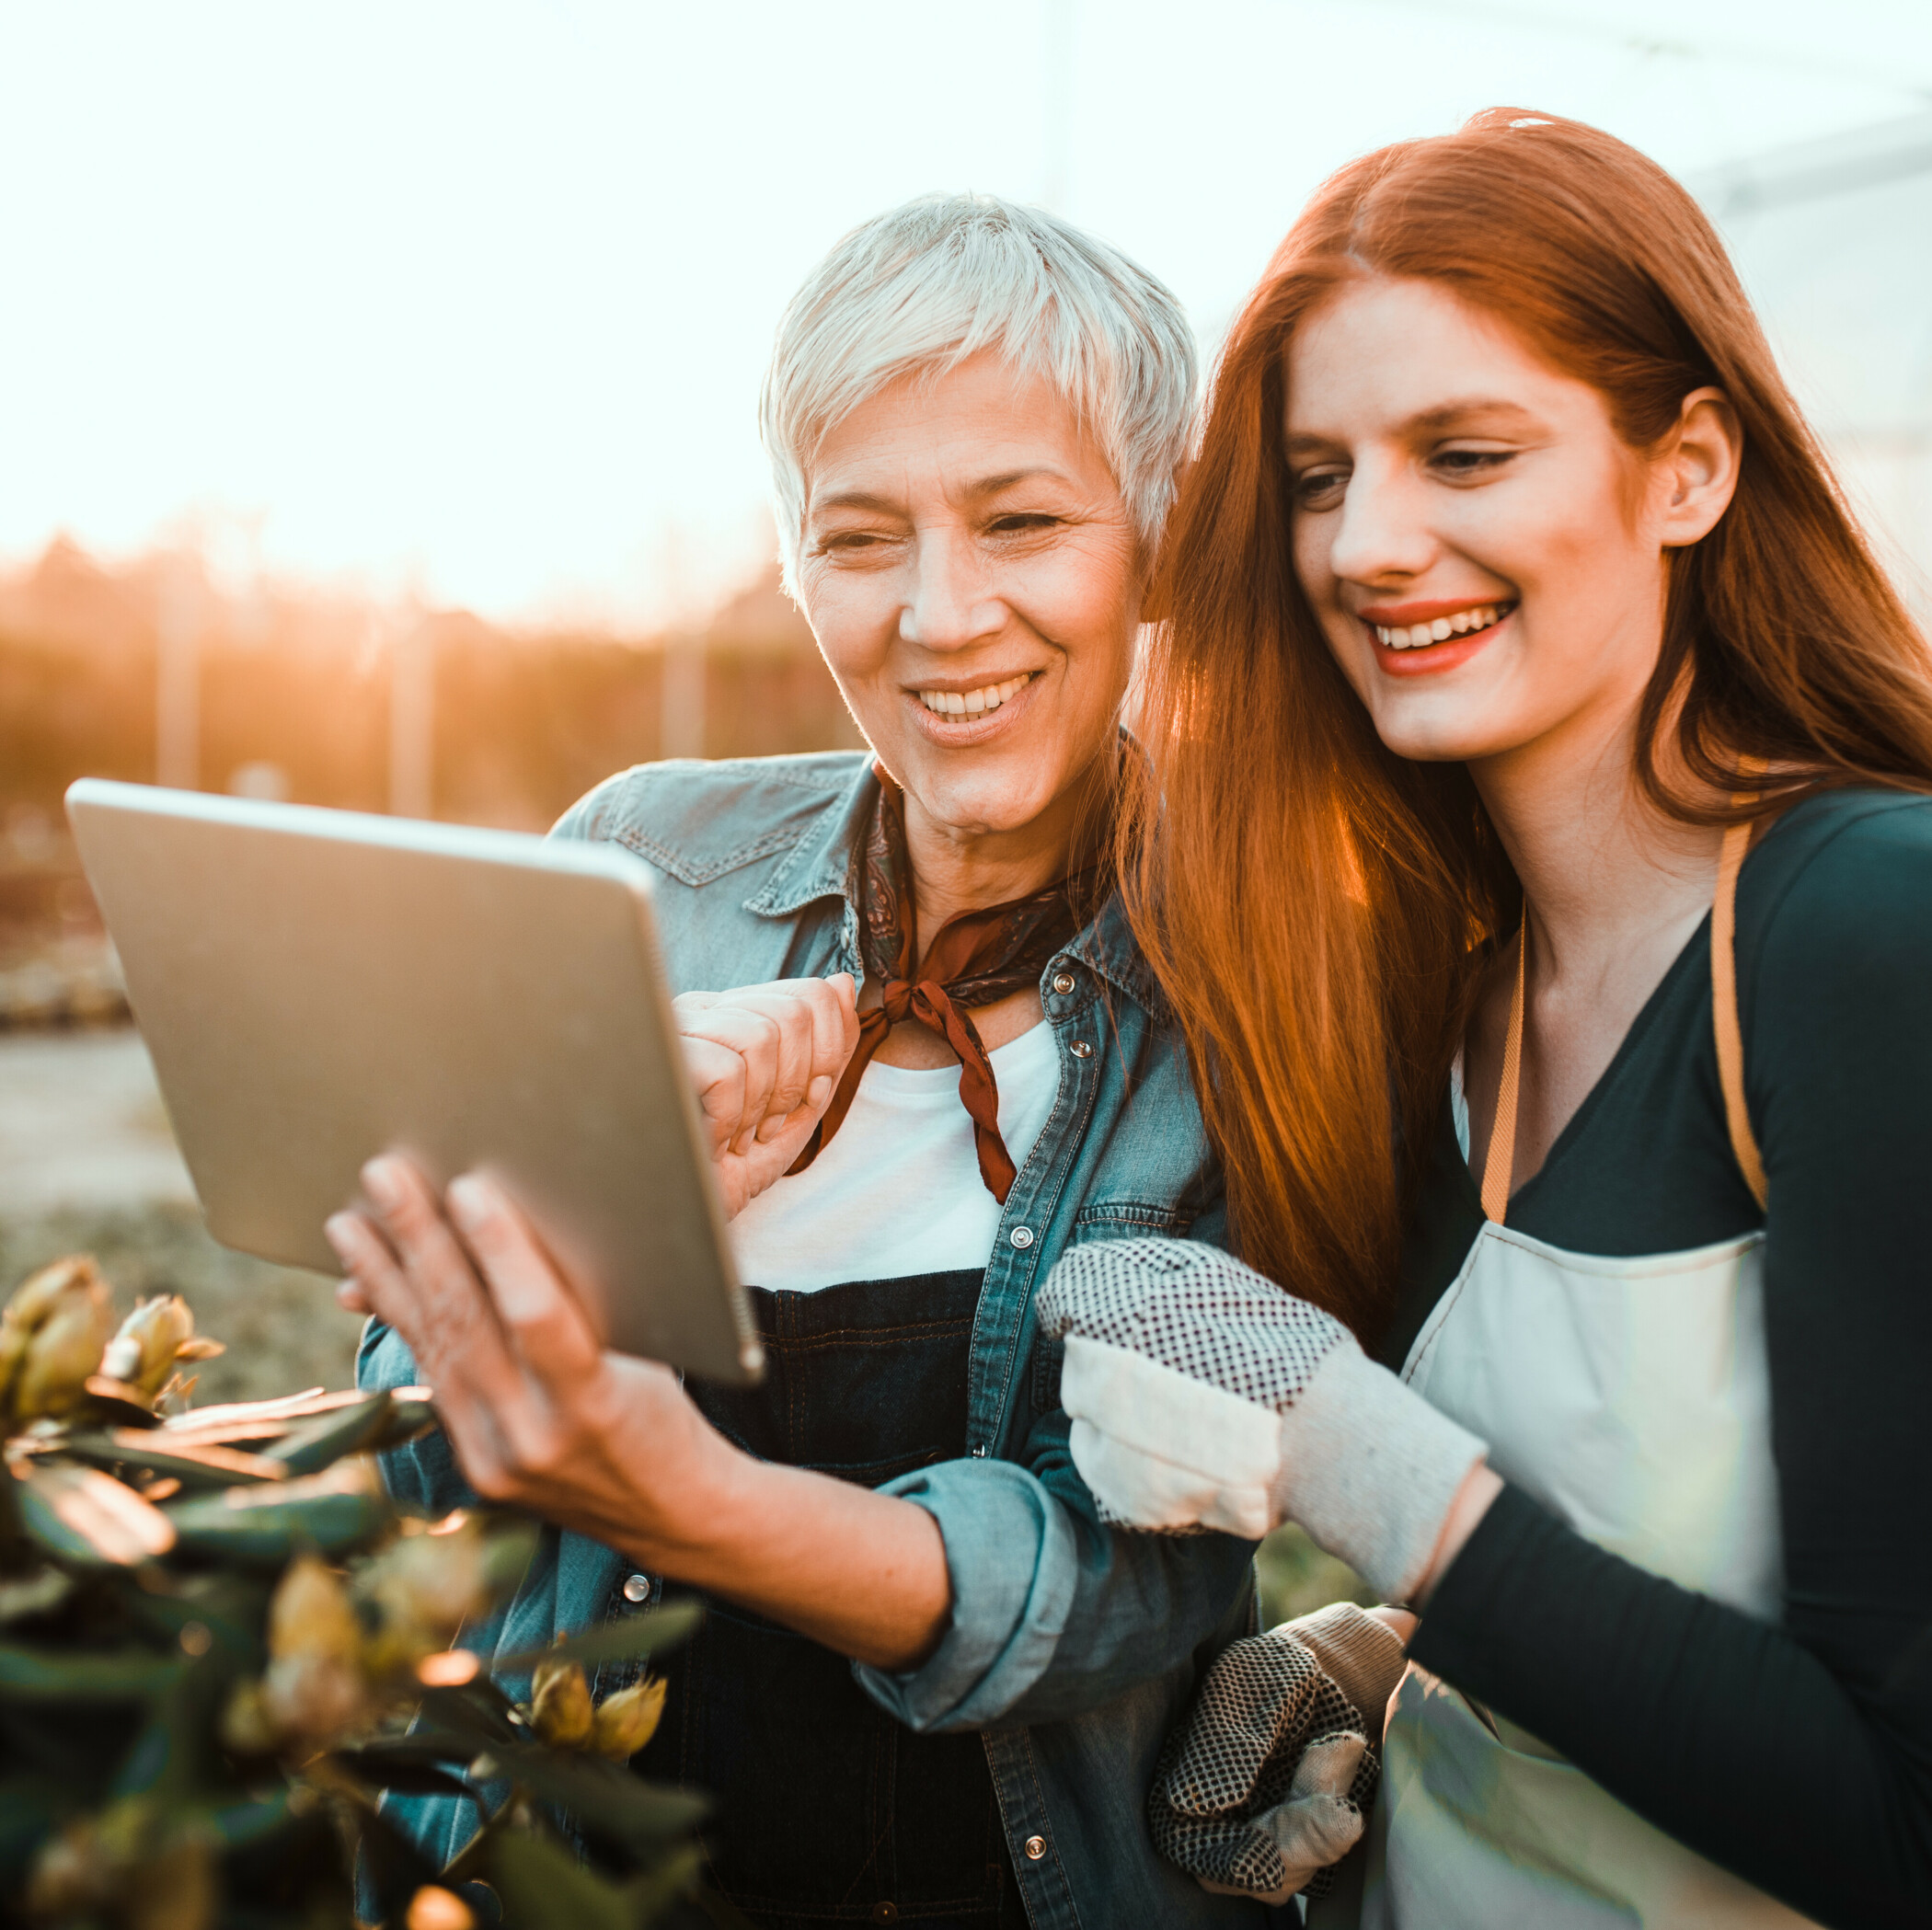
{"points": [[1381, 531], [949, 603]]}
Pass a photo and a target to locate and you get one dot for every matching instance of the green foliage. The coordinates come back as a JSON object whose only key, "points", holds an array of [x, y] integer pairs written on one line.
{"points": [[220, 1644], [1294, 1577]]}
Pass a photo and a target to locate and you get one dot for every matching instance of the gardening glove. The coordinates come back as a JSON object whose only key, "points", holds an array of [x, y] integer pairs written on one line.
{"points": [[1267, 1783], [1203, 1395]]}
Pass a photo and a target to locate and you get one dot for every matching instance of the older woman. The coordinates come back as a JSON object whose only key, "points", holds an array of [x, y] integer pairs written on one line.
{"points": [[932, 1683]]}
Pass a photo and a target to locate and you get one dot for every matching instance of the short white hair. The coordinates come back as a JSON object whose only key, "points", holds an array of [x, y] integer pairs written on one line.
{"points": [[922, 288]]}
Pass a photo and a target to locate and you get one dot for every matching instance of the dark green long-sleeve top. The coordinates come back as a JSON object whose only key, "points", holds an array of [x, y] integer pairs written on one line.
{"points": [[1797, 1755]]}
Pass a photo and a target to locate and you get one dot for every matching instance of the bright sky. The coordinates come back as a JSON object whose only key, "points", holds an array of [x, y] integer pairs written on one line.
{"points": [[474, 298]]}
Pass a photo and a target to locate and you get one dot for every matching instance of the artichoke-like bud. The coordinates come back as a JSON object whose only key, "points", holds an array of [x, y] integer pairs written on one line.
{"points": [[626, 1721], [52, 1335], [560, 1709], [152, 1338], [422, 1589], [175, 1886], [313, 1689], [131, 1861], [245, 1728], [70, 1878]]}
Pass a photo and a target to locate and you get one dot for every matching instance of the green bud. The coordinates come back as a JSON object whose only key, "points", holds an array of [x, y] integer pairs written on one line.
{"points": [[628, 1720], [560, 1708], [68, 1321]]}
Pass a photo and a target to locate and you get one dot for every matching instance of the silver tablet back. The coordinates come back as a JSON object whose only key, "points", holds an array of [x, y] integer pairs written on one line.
{"points": [[318, 987]]}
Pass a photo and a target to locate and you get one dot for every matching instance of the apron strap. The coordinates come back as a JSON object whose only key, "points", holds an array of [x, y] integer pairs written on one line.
{"points": [[1500, 1163], [1724, 1009]]}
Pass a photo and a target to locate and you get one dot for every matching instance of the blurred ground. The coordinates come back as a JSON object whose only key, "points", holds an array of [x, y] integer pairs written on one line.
{"points": [[87, 1164]]}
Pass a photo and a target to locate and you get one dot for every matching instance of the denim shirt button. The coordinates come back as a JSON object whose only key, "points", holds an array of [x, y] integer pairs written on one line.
{"points": [[1080, 1049], [1021, 1237], [636, 1587], [1063, 982], [1036, 1848]]}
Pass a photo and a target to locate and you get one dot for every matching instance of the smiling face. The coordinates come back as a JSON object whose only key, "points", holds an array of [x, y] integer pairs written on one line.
{"points": [[972, 575], [1486, 556]]}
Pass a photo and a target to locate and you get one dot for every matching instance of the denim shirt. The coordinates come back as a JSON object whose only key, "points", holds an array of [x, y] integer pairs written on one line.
{"points": [[1072, 1647]]}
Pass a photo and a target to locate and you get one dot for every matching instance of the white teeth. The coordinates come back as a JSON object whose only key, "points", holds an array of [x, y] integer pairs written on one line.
{"points": [[972, 703], [1409, 636]]}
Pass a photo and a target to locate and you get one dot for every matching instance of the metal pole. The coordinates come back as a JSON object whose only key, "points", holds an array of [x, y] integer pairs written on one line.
{"points": [[177, 680], [680, 721], [412, 723]]}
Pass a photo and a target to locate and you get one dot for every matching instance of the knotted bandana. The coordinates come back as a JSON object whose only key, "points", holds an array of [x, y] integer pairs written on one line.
{"points": [[976, 958]]}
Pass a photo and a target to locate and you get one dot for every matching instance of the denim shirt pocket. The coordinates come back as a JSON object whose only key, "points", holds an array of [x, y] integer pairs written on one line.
{"points": [[1129, 1220], [1099, 1220]]}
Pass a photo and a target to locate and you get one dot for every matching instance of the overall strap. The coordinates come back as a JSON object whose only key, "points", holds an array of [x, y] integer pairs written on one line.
{"points": [[1724, 1009]]}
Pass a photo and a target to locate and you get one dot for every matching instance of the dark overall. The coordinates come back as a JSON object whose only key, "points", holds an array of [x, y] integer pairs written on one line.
{"points": [[829, 1810]]}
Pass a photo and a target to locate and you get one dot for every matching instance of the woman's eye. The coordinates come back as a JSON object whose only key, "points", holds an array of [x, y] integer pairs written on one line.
{"points": [[1320, 488], [1022, 522], [1465, 465]]}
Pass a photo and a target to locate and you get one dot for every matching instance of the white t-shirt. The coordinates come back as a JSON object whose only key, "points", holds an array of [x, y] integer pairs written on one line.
{"points": [[898, 1190]]}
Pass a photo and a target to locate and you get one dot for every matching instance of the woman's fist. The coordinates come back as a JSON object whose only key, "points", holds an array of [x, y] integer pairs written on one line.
{"points": [[766, 1060]]}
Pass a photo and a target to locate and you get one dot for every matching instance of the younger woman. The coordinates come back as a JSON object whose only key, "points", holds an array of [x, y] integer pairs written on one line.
{"points": [[1545, 765]]}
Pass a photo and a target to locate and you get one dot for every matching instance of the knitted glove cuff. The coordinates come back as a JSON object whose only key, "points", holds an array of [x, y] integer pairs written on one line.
{"points": [[1370, 1469], [1362, 1655]]}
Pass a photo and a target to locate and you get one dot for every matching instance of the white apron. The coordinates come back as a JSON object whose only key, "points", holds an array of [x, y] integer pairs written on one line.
{"points": [[1630, 1397]]}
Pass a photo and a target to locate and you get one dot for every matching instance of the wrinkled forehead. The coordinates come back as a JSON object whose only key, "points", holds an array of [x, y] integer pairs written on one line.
{"points": [[974, 427]]}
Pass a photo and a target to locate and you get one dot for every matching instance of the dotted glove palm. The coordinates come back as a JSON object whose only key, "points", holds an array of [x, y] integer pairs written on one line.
{"points": [[1203, 1395], [1267, 1783]]}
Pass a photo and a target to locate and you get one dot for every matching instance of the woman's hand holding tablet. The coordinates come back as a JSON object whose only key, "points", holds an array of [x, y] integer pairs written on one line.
{"points": [[542, 1418]]}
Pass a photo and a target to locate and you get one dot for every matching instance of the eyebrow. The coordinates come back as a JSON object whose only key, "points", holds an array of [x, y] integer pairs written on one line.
{"points": [[1444, 416], [984, 486]]}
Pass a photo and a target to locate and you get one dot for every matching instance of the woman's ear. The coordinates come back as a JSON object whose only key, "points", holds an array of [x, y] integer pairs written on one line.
{"points": [[1700, 468]]}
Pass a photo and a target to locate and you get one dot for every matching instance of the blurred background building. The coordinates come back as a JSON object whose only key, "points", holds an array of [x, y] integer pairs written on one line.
{"points": [[1833, 240]]}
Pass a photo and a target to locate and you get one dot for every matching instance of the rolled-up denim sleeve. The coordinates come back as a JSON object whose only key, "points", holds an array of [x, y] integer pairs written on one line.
{"points": [[1053, 1613]]}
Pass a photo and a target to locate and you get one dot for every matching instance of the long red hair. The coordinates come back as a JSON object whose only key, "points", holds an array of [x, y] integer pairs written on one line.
{"points": [[1318, 907]]}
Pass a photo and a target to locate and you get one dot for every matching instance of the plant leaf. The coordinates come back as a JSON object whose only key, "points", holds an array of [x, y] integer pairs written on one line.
{"points": [[545, 1888], [386, 1765], [67, 1675], [34, 1595], [603, 1797], [675, 1874], [632, 1639], [79, 1514], [310, 1449], [266, 1524], [478, 1713], [191, 1462]]}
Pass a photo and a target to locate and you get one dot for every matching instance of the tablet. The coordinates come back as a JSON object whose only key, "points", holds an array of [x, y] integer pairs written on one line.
{"points": [[319, 986]]}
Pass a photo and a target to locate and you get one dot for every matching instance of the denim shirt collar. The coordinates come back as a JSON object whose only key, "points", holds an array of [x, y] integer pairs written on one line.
{"points": [[822, 865]]}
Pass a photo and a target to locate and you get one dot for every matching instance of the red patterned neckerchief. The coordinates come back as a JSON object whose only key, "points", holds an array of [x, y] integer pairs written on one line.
{"points": [[975, 959]]}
